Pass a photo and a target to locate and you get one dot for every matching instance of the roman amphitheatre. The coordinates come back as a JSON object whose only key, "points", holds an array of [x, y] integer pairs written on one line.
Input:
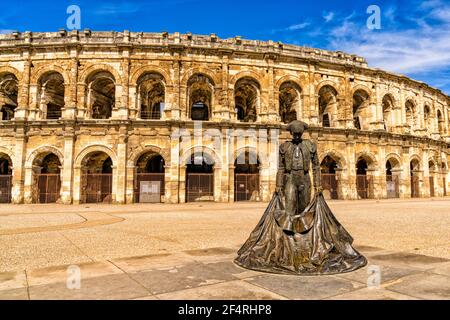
{"points": [[129, 117]]}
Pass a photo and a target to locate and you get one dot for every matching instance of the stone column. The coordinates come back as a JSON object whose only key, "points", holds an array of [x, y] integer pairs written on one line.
{"points": [[217, 183], [173, 173], [18, 163], [351, 169], [21, 112], [121, 166], [67, 168], [69, 111], [76, 191], [381, 191], [28, 184], [405, 178], [130, 177], [231, 183], [177, 112]]}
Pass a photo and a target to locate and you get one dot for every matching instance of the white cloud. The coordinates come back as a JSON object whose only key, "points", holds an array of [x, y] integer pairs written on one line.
{"points": [[328, 16], [122, 8], [6, 31], [298, 26]]}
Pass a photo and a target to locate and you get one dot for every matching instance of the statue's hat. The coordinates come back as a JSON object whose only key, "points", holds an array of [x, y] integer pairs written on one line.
{"points": [[297, 126]]}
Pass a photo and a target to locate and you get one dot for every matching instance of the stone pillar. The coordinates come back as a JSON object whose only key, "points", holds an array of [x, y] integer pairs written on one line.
{"points": [[28, 184], [69, 111], [381, 191], [231, 183], [405, 178], [18, 163], [351, 169], [121, 166], [342, 182], [174, 173], [218, 184], [130, 176], [182, 184], [178, 88], [76, 191], [228, 112], [123, 107], [67, 168], [21, 112]]}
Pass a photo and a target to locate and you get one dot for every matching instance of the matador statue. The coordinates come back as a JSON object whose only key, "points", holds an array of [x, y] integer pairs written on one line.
{"points": [[297, 235]]}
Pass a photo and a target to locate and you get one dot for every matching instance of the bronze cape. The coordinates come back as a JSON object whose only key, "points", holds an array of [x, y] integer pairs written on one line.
{"points": [[318, 244]]}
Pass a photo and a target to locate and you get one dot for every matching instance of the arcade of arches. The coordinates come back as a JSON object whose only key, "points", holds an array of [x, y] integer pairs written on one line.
{"points": [[152, 118]]}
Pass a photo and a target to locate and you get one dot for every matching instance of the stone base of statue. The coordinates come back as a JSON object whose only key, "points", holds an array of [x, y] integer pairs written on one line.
{"points": [[311, 243]]}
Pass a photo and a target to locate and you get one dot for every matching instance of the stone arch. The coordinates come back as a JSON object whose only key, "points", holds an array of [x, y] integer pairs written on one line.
{"points": [[42, 71], [246, 74], [96, 68], [138, 152], [14, 71], [363, 88], [247, 94], [204, 149], [330, 83], [336, 156], [288, 78], [43, 150], [369, 157], [396, 158], [7, 152], [416, 158], [94, 148], [143, 70], [201, 70], [289, 101], [261, 158]]}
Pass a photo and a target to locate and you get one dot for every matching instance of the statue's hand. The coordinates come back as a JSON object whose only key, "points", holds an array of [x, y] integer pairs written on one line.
{"points": [[318, 189]]}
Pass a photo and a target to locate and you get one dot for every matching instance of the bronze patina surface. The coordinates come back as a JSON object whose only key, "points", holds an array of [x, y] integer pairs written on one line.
{"points": [[296, 235]]}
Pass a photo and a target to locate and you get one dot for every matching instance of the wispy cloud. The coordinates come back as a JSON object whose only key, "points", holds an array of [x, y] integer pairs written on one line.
{"points": [[117, 8], [294, 27], [328, 16], [6, 31]]}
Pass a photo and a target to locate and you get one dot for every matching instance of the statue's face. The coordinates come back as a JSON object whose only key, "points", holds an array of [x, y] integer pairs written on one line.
{"points": [[297, 136]]}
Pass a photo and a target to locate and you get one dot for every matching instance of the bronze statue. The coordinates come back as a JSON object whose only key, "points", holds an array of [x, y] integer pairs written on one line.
{"points": [[297, 235]]}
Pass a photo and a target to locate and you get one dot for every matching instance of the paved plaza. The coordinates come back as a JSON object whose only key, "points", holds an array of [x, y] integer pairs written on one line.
{"points": [[186, 252]]}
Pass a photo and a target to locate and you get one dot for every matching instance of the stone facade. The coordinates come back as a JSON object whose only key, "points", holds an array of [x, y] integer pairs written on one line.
{"points": [[79, 104]]}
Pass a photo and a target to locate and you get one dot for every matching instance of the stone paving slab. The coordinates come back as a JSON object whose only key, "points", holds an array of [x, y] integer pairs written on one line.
{"points": [[14, 294], [305, 287], [424, 286], [409, 259], [57, 274], [13, 280], [111, 287], [372, 294], [232, 290]]}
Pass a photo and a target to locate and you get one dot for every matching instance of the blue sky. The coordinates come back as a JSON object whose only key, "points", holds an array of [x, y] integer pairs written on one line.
{"points": [[414, 38]]}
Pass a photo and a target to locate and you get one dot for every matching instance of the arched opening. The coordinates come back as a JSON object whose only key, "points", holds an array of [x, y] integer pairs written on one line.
{"points": [[151, 95], [328, 173], [392, 178], [200, 97], [101, 95], [327, 105], [200, 178], [414, 167], [246, 99], [361, 112], [96, 178], [46, 178], [427, 118], [246, 177], [363, 180], [388, 112], [289, 100], [432, 169], [441, 123], [51, 95], [410, 112], [9, 88], [5, 178], [149, 178]]}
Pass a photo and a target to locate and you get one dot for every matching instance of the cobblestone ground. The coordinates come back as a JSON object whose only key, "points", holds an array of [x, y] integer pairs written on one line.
{"points": [[186, 252]]}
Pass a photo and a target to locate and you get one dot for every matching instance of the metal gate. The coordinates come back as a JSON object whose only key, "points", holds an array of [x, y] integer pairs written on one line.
{"points": [[147, 177], [363, 186], [330, 183], [246, 186], [392, 186], [431, 186], [414, 187], [49, 186], [5, 188], [97, 187], [445, 186], [199, 187]]}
